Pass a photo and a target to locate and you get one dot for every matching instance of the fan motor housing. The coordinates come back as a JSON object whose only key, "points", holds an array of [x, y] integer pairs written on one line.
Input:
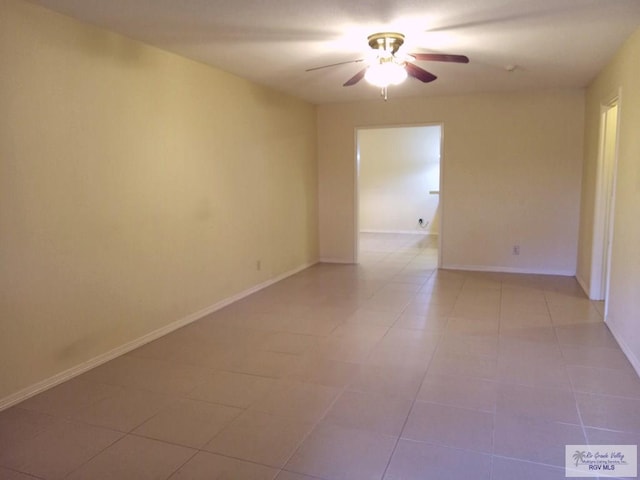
{"points": [[389, 41]]}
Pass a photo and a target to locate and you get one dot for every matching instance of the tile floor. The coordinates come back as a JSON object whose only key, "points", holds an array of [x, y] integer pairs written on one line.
{"points": [[386, 370]]}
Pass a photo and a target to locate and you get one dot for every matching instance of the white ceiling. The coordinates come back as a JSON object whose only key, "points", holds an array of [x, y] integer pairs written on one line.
{"points": [[553, 43]]}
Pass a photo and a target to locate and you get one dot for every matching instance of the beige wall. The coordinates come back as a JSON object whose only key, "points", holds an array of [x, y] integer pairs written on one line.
{"points": [[397, 169], [511, 175], [623, 72], [136, 188]]}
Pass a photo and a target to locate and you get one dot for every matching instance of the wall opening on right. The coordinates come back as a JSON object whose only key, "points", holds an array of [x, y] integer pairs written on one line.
{"points": [[604, 202]]}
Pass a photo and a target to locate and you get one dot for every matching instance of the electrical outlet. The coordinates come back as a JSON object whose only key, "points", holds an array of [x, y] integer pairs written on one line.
{"points": [[516, 249]]}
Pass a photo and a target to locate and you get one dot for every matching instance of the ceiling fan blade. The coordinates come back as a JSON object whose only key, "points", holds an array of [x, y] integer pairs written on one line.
{"points": [[334, 65], [441, 57], [356, 78], [419, 73]]}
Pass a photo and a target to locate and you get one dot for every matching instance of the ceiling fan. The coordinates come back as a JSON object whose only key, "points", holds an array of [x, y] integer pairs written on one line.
{"points": [[388, 67]]}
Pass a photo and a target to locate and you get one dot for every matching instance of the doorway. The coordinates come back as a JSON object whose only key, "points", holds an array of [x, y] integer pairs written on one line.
{"points": [[399, 202], [605, 201]]}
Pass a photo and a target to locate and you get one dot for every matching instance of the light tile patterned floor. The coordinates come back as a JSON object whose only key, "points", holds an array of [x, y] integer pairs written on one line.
{"points": [[385, 370]]}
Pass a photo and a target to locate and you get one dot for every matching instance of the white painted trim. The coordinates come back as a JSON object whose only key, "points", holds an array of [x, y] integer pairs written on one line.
{"points": [[401, 232], [530, 271], [356, 204], [604, 206], [626, 349], [72, 372], [356, 196], [443, 196], [336, 260]]}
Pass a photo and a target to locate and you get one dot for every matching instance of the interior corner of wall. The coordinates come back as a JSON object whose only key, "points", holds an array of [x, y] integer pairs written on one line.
{"points": [[583, 284]]}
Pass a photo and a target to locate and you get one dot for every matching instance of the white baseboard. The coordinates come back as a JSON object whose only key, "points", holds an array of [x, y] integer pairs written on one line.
{"points": [[402, 232], [72, 372], [631, 356], [497, 269], [336, 260]]}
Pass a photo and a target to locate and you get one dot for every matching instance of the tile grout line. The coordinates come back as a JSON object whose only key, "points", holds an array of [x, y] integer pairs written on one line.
{"points": [[397, 440], [415, 399], [343, 390], [495, 409], [573, 391]]}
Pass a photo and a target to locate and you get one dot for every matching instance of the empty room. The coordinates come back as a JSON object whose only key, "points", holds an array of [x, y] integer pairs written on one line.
{"points": [[329, 240]]}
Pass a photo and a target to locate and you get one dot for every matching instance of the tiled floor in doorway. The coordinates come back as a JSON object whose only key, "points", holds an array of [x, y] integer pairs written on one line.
{"points": [[385, 370]]}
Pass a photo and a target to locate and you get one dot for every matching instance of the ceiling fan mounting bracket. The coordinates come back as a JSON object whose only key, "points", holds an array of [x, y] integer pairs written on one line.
{"points": [[388, 41]]}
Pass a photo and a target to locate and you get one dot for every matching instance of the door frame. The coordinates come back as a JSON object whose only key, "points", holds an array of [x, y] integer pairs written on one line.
{"points": [[356, 166], [604, 206]]}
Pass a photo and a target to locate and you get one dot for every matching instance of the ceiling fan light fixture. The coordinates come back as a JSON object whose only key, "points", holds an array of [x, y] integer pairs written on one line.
{"points": [[385, 73], [388, 65]]}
